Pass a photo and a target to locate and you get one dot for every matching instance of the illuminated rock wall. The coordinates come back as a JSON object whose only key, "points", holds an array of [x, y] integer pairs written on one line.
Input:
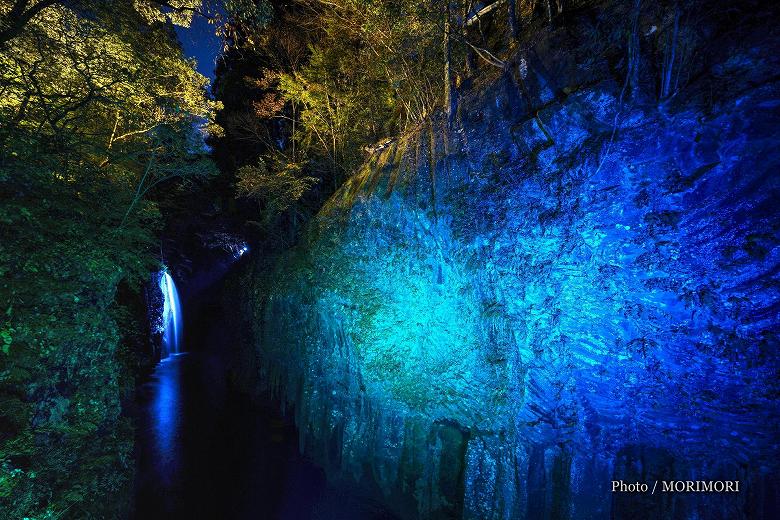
{"points": [[581, 291]]}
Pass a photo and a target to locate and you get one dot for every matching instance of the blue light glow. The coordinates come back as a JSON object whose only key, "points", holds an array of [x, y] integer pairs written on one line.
{"points": [[166, 414], [171, 318], [565, 316]]}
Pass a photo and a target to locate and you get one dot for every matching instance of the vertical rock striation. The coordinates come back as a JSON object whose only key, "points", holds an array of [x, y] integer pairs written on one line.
{"points": [[584, 289]]}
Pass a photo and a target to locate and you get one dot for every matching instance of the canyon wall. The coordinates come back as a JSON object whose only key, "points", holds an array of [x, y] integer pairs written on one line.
{"points": [[574, 283]]}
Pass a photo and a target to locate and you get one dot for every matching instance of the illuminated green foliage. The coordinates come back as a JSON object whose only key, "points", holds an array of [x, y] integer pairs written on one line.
{"points": [[278, 189], [98, 110]]}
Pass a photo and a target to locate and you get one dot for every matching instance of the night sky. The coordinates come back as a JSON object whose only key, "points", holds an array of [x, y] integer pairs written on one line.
{"points": [[200, 42]]}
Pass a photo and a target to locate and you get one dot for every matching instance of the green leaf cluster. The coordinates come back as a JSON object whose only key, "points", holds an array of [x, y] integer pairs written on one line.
{"points": [[98, 111], [278, 188], [374, 70]]}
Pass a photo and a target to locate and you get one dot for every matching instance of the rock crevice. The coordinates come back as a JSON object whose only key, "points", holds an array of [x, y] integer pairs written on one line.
{"points": [[581, 291]]}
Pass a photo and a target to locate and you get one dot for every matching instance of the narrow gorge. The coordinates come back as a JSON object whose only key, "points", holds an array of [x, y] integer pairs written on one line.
{"points": [[389, 259], [567, 287]]}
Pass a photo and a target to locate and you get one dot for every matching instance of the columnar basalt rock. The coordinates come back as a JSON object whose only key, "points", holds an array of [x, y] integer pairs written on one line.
{"points": [[584, 290]]}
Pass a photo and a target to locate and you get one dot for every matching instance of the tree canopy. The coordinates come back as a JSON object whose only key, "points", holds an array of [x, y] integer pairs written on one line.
{"points": [[99, 112], [324, 81]]}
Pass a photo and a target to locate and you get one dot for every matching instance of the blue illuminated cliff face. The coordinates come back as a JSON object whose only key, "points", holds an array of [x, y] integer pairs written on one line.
{"points": [[582, 287]]}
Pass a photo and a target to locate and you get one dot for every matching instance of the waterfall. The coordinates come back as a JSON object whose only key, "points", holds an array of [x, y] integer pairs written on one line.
{"points": [[171, 318]]}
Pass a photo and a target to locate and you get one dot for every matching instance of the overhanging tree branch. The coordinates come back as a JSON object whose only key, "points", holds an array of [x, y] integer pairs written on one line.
{"points": [[19, 16]]}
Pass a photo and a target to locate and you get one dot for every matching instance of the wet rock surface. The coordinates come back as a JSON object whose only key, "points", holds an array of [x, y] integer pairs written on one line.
{"points": [[205, 449]]}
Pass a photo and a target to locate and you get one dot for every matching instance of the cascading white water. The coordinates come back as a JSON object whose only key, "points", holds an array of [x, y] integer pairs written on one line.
{"points": [[171, 318]]}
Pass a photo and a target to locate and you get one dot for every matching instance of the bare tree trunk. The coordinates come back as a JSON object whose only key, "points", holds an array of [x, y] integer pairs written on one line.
{"points": [[666, 80], [512, 15], [19, 16], [634, 54], [450, 92], [470, 63], [450, 99], [292, 137], [139, 189]]}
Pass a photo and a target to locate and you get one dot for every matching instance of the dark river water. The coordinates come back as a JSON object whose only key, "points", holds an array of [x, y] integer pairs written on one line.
{"points": [[204, 450]]}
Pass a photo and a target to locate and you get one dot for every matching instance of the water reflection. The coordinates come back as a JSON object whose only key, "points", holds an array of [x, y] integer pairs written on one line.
{"points": [[158, 442], [206, 450], [166, 415]]}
